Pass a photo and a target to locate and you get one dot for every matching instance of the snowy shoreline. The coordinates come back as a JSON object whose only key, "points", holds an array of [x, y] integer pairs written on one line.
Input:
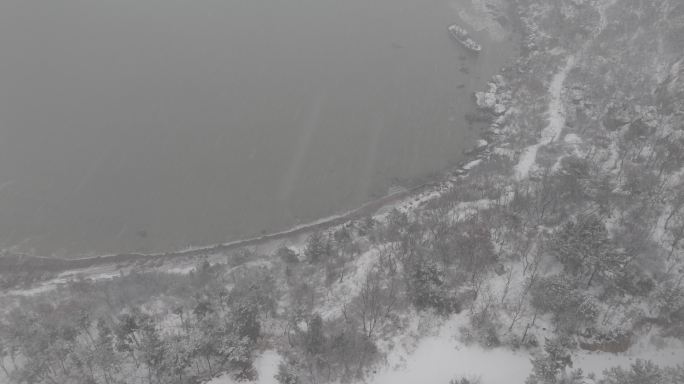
{"points": [[441, 353]]}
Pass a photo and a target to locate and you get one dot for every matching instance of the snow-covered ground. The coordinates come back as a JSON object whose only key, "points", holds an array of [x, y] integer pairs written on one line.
{"points": [[36, 290], [266, 365], [339, 293], [442, 357], [596, 363]]}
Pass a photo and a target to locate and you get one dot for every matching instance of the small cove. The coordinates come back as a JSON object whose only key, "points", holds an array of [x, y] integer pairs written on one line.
{"points": [[155, 125]]}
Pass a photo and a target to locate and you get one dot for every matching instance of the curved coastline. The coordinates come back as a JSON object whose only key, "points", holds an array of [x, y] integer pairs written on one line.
{"points": [[23, 262], [437, 181]]}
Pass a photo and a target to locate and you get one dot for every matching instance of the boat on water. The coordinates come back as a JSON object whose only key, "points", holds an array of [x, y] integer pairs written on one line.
{"points": [[459, 34]]}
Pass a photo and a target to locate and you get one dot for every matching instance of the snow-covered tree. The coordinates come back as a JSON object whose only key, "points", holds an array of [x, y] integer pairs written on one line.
{"points": [[317, 248], [551, 367], [427, 287], [287, 255], [570, 307], [642, 372], [584, 249]]}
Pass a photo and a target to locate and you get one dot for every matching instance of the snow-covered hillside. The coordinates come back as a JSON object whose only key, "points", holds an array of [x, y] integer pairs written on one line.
{"points": [[554, 255]]}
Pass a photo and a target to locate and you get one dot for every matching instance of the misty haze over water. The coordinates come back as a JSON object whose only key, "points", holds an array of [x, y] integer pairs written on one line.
{"points": [[135, 125]]}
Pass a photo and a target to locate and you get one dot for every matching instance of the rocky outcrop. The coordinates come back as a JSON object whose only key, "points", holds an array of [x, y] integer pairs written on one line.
{"points": [[496, 99], [614, 341]]}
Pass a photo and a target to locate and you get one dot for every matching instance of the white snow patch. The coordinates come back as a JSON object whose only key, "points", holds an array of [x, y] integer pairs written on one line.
{"points": [[556, 109], [440, 358], [472, 164], [182, 269], [504, 152], [42, 288], [266, 365], [466, 208], [572, 138], [526, 161]]}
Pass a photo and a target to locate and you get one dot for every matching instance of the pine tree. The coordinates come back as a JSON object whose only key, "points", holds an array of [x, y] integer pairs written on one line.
{"points": [[287, 374], [316, 248], [550, 368], [584, 249], [641, 372], [428, 287], [315, 337]]}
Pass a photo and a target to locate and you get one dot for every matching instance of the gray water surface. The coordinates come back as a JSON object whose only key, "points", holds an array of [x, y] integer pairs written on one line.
{"points": [[141, 125]]}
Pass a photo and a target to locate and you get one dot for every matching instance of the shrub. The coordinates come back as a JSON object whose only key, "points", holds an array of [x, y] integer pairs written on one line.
{"points": [[570, 307], [643, 372], [550, 367], [287, 374], [318, 248], [427, 288], [583, 247], [465, 380], [287, 255]]}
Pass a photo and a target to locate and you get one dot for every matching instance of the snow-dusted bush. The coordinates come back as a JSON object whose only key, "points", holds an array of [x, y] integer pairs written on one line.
{"points": [[287, 255], [466, 380], [318, 248], [571, 308], [643, 372], [551, 367], [326, 351], [427, 288]]}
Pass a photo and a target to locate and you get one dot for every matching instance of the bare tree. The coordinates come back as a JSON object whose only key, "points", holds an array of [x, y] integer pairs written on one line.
{"points": [[376, 300]]}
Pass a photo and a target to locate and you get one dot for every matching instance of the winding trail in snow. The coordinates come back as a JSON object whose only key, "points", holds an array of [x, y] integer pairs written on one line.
{"points": [[556, 109], [552, 131]]}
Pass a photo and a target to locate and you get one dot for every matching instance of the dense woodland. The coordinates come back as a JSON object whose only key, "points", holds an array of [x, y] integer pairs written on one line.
{"points": [[586, 253]]}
